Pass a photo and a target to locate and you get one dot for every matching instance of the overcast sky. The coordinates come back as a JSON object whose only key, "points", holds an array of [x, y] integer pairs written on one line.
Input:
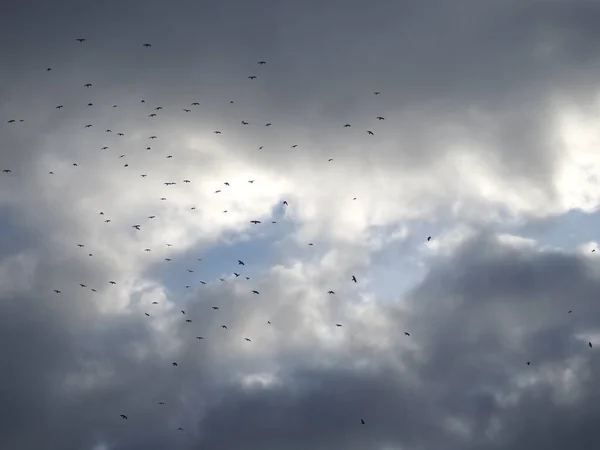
{"points": [[489, 145]]}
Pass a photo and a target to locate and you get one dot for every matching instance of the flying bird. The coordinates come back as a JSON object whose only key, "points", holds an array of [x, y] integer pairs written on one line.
{"points": [[371, 133], [241, 263], [215, 307], [406, 334], [380, 118], [174, 364], [353, 278], [146, 45], [252, 77], [247, 339], [338, 324], [80, 39], [199, 337], [255, 292], [224, 327], [123, 416], [260, 63]]}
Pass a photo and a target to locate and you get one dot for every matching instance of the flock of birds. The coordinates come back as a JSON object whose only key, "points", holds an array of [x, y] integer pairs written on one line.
{"points": [[226, 184]]}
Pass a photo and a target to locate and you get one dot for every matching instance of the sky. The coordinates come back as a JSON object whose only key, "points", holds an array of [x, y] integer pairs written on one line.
{"points": [[484, 336]]}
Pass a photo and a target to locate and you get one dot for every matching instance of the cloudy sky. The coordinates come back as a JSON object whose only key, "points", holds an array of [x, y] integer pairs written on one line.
{"points": [[489, 145]]}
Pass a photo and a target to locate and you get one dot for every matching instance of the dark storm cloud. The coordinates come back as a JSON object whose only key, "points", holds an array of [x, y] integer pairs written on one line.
{"points": [[471, 307], [474, 321]]}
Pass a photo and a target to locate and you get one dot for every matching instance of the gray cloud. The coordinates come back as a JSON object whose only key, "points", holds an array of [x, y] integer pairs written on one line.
{"points": [[460, 82]]}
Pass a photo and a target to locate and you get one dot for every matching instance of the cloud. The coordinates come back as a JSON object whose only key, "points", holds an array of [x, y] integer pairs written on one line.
{"points": [[489, 131]]}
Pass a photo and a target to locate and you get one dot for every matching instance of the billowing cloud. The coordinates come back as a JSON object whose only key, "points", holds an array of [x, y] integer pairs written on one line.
{"points": [[483, 139]]}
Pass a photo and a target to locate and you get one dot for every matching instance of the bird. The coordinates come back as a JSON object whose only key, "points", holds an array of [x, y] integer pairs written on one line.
{"points": [[260, 63], [87, 85], [146, 45], [59, 107], [353, 278], [161, 403], [174, 364], [80, 39], [371, 133], [123, 416], [236, 274], [528, 363], [255, 222], [195, 104], [347, 125], [285, 202], [199, 337], [215, 307], [224, 326], [330, 292], [380, 118], [244, 122], [183, 312], [255, 292], [338, 324], [147, 314], [82, 285], [186, 110], [406, 334], [252, 77], [590, 344], [188, 320], [186, 181], [429, 239], [112, 282], [57, 291], [217, 132], [241, 263], [247, 339], [362, 422], [268, 124], [7, 171], [179, 429], [376, 93], [155, 303], [137, 227]]}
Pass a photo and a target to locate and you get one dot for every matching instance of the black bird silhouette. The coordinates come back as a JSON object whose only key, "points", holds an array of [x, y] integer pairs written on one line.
{"points": [[330, 292], [80, 39], [268, 124], [161, 403], [182, 312], [112, 282], [217, 132], [174, 364], [380, 118], [371, 133], [376, 93], [7, 171], [252, 77], [199, 337], [180, 429], [406, 334], [255, 292], [195, 104], [590, 344], [241, 263], [224, 326], [247, 339], [123, 416], [362, 422], [260, 63], [353, 278], [255, 222], [87, 85], [146, 45], [147, 314], [347, 125], [338, 324], [429, 238], [528, 363], [189, 320], [215, 307]]}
